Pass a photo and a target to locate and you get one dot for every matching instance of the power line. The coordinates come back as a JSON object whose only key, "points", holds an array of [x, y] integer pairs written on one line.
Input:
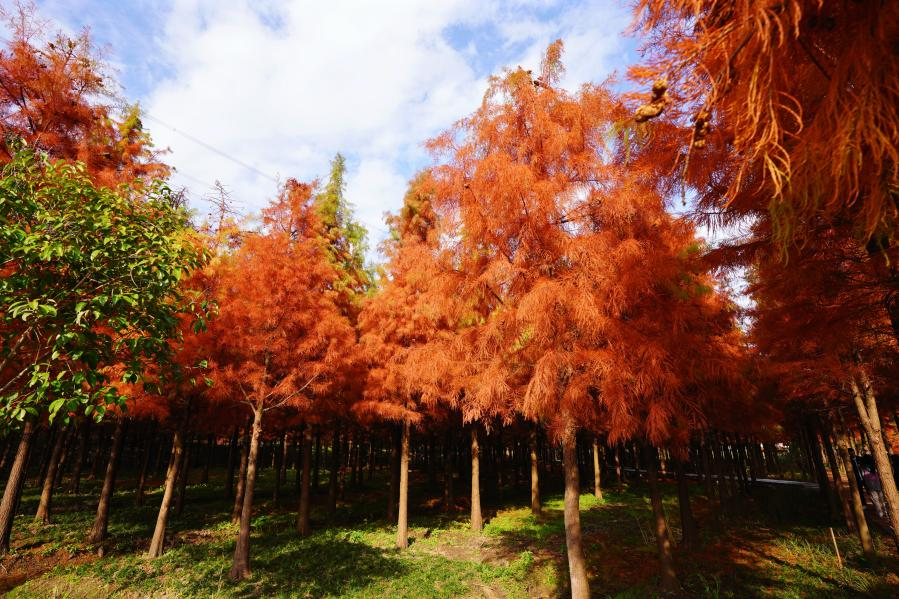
{"points": [[212, 148]]}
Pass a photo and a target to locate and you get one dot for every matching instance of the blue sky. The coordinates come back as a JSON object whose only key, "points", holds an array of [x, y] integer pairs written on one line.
{"points": [[284, 85]]}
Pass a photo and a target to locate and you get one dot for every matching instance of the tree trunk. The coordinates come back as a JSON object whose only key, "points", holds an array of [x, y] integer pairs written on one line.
{"points": [[477, 522], [668, 582], [285, 459], [145, 466], [689, 533], [619, 479], [237, 508], [279, 464], [866, 404], [838, 483], [157, 543], [303, 526], [232, 458], [814, 450], [448, 498], [535, 471], [13, 486], [210, 456], [240, 566], [95, 455], [402, 527], [183, 475], [371, 458], [577, 567], [318, 459], [597, 472], [101, 522], [83, 437], [335, 470], [858, 508], [43, 507], [395, 449]]}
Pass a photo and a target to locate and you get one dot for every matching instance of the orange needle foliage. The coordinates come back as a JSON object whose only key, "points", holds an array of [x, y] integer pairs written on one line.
{"points": [[56, 97], [583, 292], [402, 315], [799, 100]]}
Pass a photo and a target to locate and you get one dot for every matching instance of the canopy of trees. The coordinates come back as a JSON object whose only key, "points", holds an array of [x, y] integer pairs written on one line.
{"points": [[537, 286]]}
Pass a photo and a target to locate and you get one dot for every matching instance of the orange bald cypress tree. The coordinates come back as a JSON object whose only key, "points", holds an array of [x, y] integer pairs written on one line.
{"points": [[576, 292], [398, 319], [279, 337]]}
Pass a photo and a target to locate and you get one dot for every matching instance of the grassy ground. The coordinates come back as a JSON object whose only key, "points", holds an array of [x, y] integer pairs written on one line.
{"points": [[765, 547]]}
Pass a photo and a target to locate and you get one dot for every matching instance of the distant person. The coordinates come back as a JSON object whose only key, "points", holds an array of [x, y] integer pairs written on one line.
{"points": [[874, 488]]}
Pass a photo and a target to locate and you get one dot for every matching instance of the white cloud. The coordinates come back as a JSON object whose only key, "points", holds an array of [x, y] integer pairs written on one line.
{"points": [[283, 86]]}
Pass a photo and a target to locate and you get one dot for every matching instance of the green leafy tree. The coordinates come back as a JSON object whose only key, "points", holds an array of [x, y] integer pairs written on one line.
{"points": [[346, 239], [90, 285]]}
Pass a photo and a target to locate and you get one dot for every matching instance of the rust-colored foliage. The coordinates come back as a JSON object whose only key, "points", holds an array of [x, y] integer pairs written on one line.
{"points": [[796, 104], [58, 97], [576, 294], [279, 338]]}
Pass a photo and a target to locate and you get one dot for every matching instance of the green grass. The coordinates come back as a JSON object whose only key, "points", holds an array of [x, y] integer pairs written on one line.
{"points": [[749, 552]]}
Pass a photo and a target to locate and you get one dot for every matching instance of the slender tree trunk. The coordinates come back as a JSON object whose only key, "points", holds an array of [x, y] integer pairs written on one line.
{"points": [[395, 448], [101, 522], [318, 459], [279, 463], [96, 454], [237, 508], [145, 465], [157, 543], [668, 580], [14, 485], [619, 479], [43, 507], [335, 470], [690, 536], [344, 464], [303, 526], [432, 471], [858, 508], [240, 566], [577, 567], [838, 483], [183, 475], [232, 459], [210, 456], [356, 458], [820, 471], [866, 404], [402, 527], [83, 437], [535, 471], [597, 472], [11, 442], [448, 498], [285, 459], [65, 457], [477, 522], [371, 458]]}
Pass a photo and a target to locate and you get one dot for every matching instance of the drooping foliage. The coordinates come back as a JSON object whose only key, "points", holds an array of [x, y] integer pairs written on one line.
{"points": [[784, 108]]}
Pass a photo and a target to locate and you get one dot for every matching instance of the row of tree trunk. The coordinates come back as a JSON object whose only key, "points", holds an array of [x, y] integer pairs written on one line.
{"points": [[725, 463]]}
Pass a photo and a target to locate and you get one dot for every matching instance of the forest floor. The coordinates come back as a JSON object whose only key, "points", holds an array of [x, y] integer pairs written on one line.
{"points": [[771, 545]]}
